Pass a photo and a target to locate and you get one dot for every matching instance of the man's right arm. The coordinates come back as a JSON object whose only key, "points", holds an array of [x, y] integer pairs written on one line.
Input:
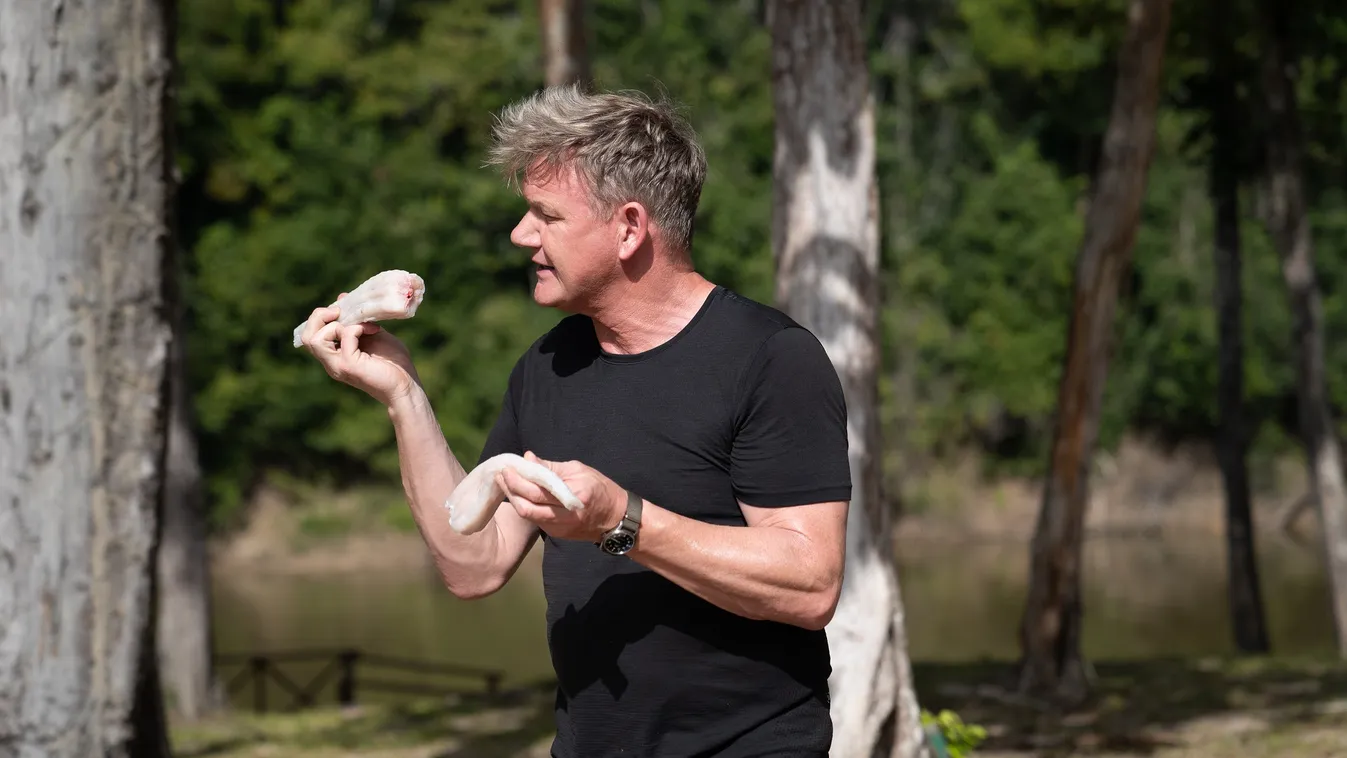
{"points": [[368, 358], [473, 565]]}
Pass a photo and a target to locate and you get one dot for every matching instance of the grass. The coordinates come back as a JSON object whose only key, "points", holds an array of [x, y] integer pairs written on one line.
{"points": [[1208, 708], [515, 726]]}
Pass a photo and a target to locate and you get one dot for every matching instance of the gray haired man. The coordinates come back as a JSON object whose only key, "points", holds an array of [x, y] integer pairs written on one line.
{"points": [[705, 433]]}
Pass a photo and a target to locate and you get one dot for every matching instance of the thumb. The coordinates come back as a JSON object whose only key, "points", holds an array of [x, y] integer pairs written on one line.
{"points": [[529, 456]]}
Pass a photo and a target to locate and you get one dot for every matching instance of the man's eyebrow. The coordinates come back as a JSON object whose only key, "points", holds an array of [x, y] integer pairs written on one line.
{"points": [[541, 207]]}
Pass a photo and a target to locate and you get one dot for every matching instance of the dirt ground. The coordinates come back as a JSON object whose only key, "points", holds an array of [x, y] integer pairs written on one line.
{"points": [[1214, 708], [1211, 708]]}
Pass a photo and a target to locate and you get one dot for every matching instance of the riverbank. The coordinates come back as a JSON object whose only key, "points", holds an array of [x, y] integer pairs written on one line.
{"points": [[1142, 490], [349, 569], [1179, 708]]}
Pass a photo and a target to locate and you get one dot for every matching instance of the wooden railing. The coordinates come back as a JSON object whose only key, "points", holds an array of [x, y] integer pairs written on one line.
{"points": [[260, 668]]}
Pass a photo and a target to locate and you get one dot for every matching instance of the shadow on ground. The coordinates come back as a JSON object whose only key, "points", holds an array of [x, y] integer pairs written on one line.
{"points": [[509, 725], [1140, 708]]}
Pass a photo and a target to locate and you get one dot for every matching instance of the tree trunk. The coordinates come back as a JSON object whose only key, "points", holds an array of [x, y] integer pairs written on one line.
{"points": [[565, 59], [84, 204], [185, 641], [1246, 603], [901, 220], [825, 238], [1290, 229], [1050, 631]]}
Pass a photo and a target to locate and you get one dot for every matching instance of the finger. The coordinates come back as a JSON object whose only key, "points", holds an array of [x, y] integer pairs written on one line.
{"points": [[553, 465], [525, 488], [318, 318], [344, 294], [529, 510], [326, 337], [350, 339]]}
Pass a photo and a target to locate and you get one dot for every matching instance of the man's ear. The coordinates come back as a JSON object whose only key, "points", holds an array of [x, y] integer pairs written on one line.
{"points": [[633, 229]]}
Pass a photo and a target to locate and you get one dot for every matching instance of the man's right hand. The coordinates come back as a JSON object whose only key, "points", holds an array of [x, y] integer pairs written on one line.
{"points": [[361, 355]]}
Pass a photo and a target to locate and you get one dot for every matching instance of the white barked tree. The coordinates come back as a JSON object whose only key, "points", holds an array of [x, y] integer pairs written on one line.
{"points": [[825, 238]]}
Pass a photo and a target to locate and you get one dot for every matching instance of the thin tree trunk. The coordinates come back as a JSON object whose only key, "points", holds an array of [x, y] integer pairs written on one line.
{"points": [[565, 56], [84, 208], [1050, 631], [825, 236], [1290, 228], [185, 640], [900, 227], [1246, 603]]}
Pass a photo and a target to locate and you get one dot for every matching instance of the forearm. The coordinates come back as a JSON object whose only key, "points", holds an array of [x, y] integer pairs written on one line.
{"points": [[471, 565], [760, 572]]}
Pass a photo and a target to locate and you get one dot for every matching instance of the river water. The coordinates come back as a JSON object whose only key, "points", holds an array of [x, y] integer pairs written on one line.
{"points": [[1144, 597]]}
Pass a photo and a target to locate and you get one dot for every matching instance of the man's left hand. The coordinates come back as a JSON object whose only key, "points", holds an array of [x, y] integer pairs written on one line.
{"points": [[605, 501]]}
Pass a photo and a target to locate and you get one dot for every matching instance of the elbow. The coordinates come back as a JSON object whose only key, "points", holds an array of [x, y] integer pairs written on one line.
{"points": [[472, 588], [820, 605], [470, 591], [820, 613]]}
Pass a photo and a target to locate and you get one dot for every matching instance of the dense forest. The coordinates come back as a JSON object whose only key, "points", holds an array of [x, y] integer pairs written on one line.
{"points": [[321, 141]]}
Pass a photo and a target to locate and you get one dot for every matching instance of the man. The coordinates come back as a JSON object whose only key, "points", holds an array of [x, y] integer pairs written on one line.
{"points": [[705, 434]]}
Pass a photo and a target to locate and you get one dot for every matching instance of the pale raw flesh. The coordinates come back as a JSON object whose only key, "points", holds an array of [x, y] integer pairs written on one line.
{"points": [[476, 498], [385, 296]]}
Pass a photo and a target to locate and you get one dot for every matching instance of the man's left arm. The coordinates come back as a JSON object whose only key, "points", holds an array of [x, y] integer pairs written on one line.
{"points": [[785, 565]]}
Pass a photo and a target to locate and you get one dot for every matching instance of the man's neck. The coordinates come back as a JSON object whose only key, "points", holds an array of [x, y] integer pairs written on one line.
{"points": [[651, 311]]}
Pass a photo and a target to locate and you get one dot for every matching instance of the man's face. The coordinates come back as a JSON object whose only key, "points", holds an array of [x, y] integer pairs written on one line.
{"points": [[574, 251]]}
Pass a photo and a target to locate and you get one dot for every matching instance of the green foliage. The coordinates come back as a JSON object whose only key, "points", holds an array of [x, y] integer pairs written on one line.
{"points": [[955, 738], [321, 141], [324, 525], [399, 518]]}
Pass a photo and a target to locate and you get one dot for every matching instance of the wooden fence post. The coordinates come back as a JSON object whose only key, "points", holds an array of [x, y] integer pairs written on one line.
{"points": [[259, 666], [346, 684]]}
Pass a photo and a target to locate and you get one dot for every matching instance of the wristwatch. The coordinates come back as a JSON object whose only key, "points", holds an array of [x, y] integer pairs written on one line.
{"points": [[622, 538]]}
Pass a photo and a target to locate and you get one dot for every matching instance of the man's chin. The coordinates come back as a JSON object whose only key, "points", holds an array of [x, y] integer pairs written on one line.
{"points": [[547, 296]]}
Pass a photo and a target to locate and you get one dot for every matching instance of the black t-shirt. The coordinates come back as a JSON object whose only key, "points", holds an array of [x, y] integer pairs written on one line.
{"points": [[742, 403]]}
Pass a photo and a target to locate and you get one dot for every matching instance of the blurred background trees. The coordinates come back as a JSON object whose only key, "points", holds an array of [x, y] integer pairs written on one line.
{"points": [[322, 141]]}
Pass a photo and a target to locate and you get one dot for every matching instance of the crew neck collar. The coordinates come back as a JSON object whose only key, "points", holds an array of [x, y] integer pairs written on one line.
{"points": [[609, 357]]}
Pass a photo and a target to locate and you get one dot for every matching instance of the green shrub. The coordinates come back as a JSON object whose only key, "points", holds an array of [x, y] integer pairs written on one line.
{"points": [[950, 736]]}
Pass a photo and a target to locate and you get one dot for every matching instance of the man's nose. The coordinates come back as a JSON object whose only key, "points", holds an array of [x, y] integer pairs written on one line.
{"points": [[524, 233]]}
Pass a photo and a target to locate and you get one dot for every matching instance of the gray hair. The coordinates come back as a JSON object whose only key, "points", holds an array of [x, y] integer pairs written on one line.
{"points": [[625, 146]]}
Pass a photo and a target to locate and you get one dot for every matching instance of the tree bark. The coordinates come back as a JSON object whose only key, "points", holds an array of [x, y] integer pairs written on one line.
{"points": [[1050, 631], [184, 618], [565, 54], [1290, 229], [825, 237], [1245, 597], [84, 207]]}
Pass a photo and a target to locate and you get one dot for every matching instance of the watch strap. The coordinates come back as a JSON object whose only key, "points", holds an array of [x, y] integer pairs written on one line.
{"points": [[634, 505], [629, 525]]}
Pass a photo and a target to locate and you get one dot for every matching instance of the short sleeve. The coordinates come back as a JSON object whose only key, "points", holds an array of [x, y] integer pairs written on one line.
{"points": [[790, 444], [504, 434]]}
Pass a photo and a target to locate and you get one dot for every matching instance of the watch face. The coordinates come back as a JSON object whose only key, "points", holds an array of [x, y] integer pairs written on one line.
{"points": [[619, 543]]}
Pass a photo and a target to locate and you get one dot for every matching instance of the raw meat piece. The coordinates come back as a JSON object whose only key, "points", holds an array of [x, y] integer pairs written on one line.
{"points": [[387, 295], [476, 498]]}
